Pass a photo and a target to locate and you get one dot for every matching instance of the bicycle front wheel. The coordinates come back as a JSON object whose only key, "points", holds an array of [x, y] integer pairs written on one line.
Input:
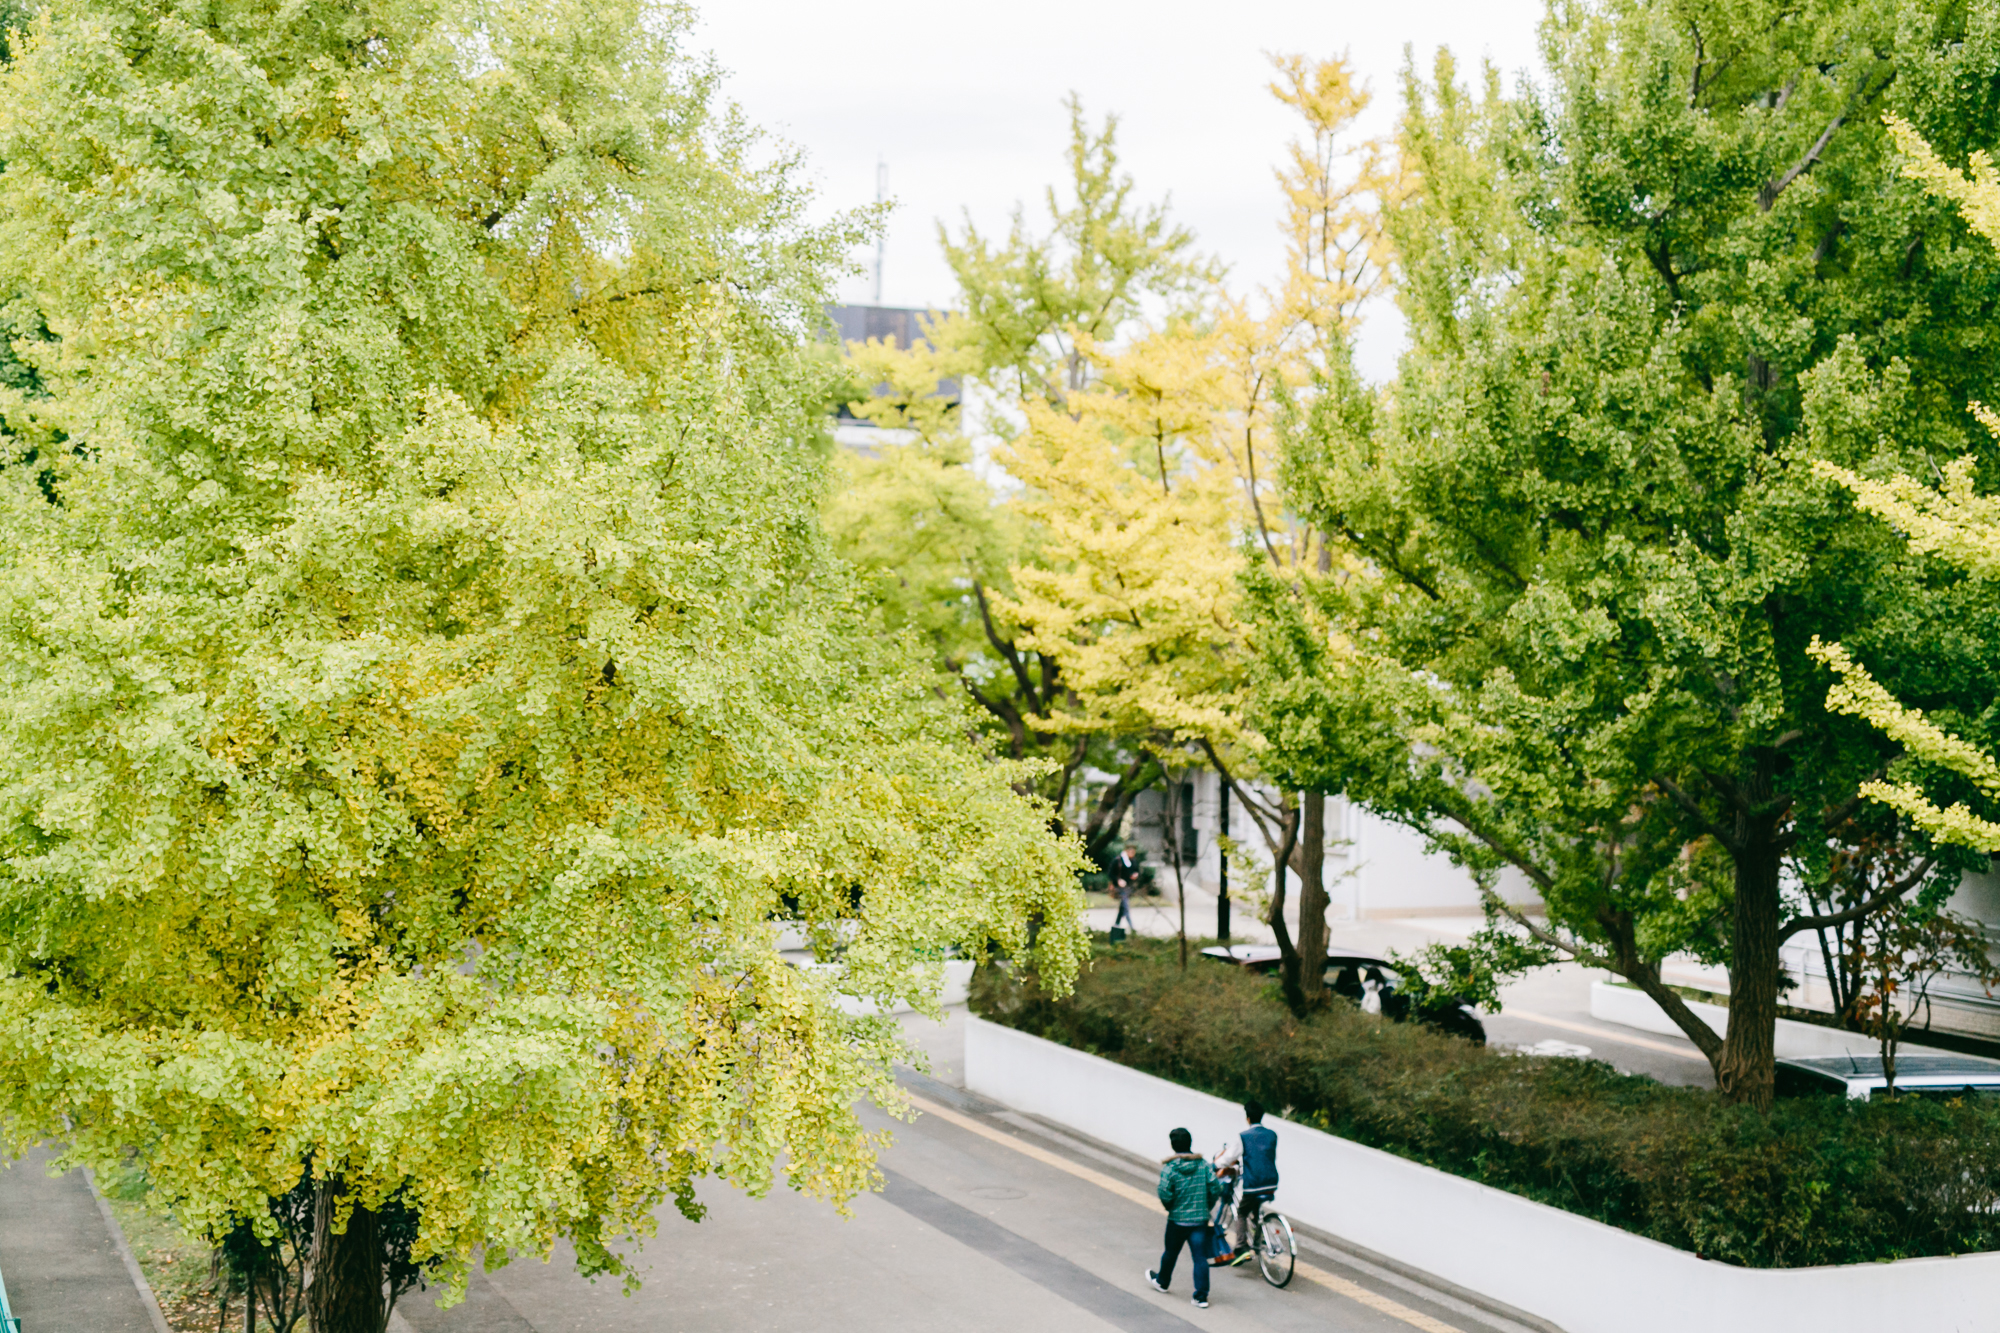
{"points": [[1277, 1252]]}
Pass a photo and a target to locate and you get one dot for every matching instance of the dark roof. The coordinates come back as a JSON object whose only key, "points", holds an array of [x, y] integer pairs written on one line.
{"points": [[902, 325]]}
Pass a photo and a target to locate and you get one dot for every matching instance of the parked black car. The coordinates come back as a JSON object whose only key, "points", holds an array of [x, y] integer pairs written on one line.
{"points": [[1345, 975]]}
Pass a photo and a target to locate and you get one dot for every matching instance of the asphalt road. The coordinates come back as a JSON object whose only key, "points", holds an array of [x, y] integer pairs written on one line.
{"points": [[989, 1220], [1553, 1005]]}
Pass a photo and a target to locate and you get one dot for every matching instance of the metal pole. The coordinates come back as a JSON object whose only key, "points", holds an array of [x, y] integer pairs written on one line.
{"points": [[882, 238], [1222, 862]]}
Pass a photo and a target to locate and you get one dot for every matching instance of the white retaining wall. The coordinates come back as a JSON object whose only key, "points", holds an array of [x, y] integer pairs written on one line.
{"points": [[1636, 1009], [1582, 1275]]}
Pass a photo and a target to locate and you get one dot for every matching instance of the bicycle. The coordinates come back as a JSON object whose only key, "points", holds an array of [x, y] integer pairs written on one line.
{"points": [[1270, 1238]]}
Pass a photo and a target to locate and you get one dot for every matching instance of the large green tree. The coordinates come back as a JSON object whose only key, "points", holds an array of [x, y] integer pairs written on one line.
{"points": [[1587, 549], [424, 675]]}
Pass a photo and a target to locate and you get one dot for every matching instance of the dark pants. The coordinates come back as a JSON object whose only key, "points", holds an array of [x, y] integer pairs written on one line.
{"points": [[1249, 1206], [1196, 1238]]}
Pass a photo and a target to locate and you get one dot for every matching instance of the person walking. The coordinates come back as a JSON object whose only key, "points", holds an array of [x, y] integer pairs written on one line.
{"points": [[1189, 1188], [1255, 1154], [1124, 879]]}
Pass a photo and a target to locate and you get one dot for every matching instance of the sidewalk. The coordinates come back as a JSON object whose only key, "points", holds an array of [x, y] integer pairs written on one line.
{"points": [[63, 1269]]}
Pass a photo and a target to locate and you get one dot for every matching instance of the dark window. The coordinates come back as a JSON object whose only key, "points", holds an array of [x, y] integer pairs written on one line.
{"points": [[1807, 1083]]}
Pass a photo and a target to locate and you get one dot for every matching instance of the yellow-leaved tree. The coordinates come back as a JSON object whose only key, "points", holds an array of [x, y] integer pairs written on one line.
{"points": [[1155, 482], [927, 527], [426, 681]]}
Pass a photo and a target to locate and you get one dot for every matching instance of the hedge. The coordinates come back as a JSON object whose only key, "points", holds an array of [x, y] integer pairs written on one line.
{"points": [[1816, 1181]]}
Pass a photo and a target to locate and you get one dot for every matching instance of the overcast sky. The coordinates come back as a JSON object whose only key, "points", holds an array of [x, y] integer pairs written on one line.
{"points": [[964, 103]]}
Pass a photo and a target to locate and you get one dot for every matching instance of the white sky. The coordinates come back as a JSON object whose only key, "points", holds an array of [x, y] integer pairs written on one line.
{"points": [[964, 103]]}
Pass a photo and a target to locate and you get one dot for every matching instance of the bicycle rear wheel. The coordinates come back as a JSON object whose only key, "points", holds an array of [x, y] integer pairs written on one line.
{"points": [[1277, 1252]]}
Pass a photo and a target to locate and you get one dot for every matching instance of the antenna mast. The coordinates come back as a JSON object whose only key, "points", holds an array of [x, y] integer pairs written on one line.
{"points": [[881, 238]]}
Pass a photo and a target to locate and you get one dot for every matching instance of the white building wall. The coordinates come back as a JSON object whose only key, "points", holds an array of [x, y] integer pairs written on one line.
{"points": [[1373, 868]]}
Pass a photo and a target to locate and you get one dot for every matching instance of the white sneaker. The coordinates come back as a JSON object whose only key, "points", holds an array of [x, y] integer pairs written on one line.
{"points": [[1200, 1302], [1153, 1280]]}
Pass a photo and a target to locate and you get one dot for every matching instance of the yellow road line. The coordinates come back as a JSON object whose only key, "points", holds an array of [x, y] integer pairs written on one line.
{"points": [[1589, 1031], [1354, 1291], [1042, 1155]]}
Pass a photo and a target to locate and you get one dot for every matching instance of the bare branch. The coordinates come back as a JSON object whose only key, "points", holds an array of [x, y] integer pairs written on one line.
{"points": [[1261, 812]]}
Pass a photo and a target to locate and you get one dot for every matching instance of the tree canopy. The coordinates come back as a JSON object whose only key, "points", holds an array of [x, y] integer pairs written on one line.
{"points": [[1586, 543], [426, 677], [1958, 522], [1133, 398]]}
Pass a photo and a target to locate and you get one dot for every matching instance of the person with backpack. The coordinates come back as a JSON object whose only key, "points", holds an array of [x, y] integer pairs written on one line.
{"points": [[1189, 1188], [1256, 1150]]}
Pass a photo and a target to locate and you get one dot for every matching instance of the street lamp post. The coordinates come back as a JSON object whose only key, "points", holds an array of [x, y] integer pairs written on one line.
{"points": [[1222, 862]]}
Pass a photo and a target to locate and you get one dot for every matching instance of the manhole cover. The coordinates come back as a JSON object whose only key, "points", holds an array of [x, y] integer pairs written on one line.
{"points": [[998, 1192]]}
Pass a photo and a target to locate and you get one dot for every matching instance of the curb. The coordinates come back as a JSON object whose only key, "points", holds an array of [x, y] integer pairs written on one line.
{"points": [[132, 1268]]}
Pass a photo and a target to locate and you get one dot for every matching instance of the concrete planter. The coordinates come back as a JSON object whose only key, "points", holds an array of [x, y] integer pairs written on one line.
{"points": [[1582, 1275]]}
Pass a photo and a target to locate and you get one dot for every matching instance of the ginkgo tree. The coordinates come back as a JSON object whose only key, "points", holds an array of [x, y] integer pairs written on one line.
{"points": [[1155, 484], [426, 678], [1089, 602], [1589, 544], [931, 535], [1957, 521]]}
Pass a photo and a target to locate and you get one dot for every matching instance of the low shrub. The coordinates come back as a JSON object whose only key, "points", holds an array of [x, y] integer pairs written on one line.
{"points": [[1817, 1181]]}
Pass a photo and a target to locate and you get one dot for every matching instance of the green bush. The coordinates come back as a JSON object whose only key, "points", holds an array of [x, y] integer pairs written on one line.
{"points": [[1818, 1181]]}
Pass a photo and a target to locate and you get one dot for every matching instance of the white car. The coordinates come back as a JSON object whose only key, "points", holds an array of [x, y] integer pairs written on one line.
{"points": [[1860, 1076]]}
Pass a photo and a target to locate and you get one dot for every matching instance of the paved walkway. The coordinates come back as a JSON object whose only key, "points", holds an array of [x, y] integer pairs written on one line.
{"points": [[63, 1270], [985, 1224]]}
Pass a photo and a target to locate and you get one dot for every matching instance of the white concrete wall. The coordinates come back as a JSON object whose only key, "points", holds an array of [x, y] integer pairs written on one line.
{"points": [[1582, 1275]]}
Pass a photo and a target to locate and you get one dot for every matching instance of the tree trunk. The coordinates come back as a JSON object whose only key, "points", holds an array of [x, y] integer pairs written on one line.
{"points": [[1745, 1071], [344, 1289], [1312, 900], [1288, 956]]}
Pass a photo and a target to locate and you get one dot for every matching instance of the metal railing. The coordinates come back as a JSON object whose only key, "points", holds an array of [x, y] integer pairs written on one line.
{"points": [[9, 1323]]}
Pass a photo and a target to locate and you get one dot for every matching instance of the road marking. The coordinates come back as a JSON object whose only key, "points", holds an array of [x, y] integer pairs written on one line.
{"points": [[1354, 1291], [1606, 1033], [1042, 1155]]}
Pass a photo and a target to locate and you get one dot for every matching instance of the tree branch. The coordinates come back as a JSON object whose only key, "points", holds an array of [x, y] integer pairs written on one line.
{"points": [[1577, 951], [1868, 908], [1388, 561], [1647, 979], [1847, 809], [1693, 807], [1002, 646], [1259, 811], [1768, 196]]}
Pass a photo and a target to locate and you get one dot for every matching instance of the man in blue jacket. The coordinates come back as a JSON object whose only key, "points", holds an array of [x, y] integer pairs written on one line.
{"points": [[1256, 1148], [1189, 1188]]}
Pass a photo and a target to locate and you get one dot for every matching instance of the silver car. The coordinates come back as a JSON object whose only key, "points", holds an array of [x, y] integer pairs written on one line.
{"points": [[1860, 1076]]}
